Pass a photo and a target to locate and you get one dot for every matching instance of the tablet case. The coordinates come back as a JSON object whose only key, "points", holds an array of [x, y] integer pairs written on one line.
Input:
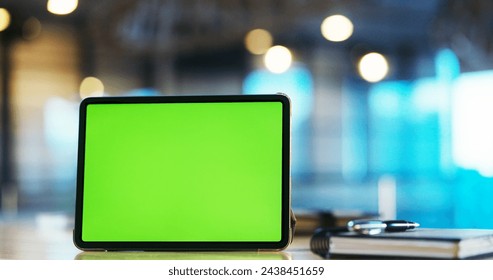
{"points": [[184, 173]]}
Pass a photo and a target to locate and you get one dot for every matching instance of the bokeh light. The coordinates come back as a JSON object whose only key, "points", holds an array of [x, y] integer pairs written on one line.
{"points": [[61, 7], [337, 28], [278, 59], [91, 87], [258, 41], [373, 67], [31, 28], [4, 19]]}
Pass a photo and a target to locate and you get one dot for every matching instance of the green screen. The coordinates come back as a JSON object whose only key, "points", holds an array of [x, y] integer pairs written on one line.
{"points": [[207, 172]]}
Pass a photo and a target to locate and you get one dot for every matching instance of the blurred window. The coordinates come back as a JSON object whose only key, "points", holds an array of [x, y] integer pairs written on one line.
{"points": [[297, 83]]}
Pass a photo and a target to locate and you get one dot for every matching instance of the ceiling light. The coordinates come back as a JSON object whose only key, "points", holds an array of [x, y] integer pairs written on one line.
{"points": [[258, 41], [373, 67], [278, 59], [61, 7], [4, 19], [336, 28], [91, 87]]}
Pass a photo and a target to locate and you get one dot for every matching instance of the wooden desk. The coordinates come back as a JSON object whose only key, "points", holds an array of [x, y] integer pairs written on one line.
{"points": [[49, 237]]}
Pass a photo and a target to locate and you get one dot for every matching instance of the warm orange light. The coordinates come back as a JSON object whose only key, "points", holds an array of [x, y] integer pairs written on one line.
{"points": [[258, 41], [91, 87]]}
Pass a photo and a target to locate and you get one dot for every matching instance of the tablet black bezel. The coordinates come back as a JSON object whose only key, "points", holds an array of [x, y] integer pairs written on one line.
{"points": [[286, 226]]}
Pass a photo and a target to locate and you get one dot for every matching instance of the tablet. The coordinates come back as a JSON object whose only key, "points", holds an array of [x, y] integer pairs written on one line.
{"points": [[183, 173]]}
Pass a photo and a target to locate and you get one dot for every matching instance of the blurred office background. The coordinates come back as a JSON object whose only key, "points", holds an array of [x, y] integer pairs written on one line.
{"points": [[392, 100]]}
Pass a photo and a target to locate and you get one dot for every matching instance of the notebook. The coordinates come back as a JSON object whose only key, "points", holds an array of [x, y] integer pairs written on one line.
{"points": [[183, 173], [419, 243]]}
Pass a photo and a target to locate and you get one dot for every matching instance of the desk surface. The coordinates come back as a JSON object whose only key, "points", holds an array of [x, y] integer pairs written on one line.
{"points": [[50, 238]]}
